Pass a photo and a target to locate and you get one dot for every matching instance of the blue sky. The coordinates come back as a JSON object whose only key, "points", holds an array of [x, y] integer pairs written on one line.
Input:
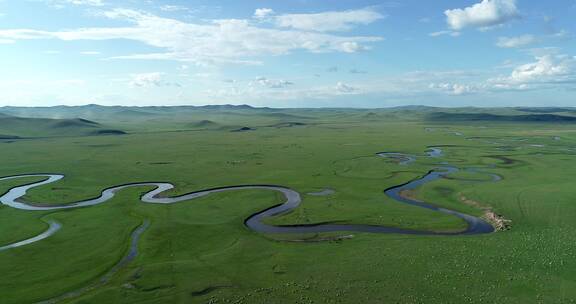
{"points": [[302, 53]]}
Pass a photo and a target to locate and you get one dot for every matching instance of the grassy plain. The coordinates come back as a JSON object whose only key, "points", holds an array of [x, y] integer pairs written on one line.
{"points": [[200, 251]]}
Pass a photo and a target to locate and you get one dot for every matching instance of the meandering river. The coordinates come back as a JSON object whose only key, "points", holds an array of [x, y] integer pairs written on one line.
{"points": [[475, 225]]}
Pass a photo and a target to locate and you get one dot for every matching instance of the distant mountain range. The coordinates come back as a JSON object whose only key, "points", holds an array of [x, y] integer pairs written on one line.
{"points": [[31, 122]]}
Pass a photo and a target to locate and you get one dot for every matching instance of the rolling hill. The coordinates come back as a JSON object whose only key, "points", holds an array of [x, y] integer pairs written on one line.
{"points": [[25, 127], [468, 117]]}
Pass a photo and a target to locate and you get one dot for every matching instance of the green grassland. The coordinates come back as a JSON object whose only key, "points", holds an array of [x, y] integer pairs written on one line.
{"points": [[201, 252]]}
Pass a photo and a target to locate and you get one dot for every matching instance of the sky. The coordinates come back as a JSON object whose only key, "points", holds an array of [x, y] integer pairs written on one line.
{"points": [[299, 53]]}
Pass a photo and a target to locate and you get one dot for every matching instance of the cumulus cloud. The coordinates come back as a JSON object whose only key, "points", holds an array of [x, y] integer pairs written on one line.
{"points": [[219, 41], [547, 69], [551, 70], [516, 42], [329, 21], [485, 14], [149, 80]]}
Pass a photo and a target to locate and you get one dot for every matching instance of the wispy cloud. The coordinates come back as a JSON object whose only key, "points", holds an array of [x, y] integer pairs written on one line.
{"points": [[345, 88], [516, 42], [357, 71], [271, 83], [444, 33], [329, 21], [229, 40], [456, 89], [174, 8], [148, 80]]}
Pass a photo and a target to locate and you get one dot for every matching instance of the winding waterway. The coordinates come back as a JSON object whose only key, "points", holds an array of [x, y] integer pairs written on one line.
{"points": [[53, 226], [255, 222]]}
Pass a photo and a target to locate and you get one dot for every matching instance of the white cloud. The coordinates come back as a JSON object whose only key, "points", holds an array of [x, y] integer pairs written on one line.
{"points": [[344, 88], [516, 42], [549, 71], [228, 41], [148, 80], [443, 33], [351, 47], [547, 68], [456, 89], [485, 14], [329, 21], [271, 83], [263, 13]]}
